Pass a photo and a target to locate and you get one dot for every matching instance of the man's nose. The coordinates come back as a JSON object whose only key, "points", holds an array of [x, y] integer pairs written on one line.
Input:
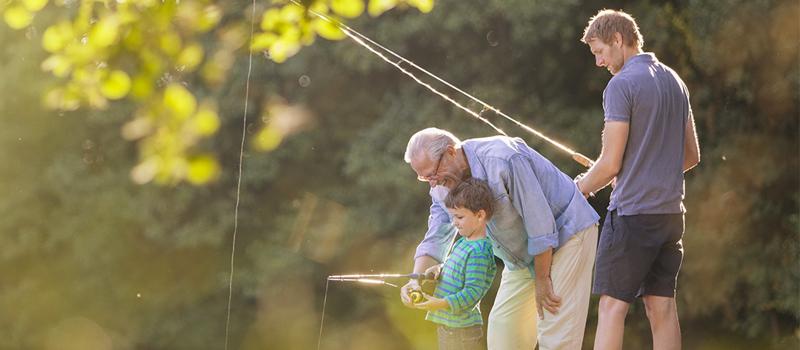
{"points": [[599, 61]]}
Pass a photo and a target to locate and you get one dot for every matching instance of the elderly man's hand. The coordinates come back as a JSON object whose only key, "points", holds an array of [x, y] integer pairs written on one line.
{"points": [[434, 271], [546, 298]]}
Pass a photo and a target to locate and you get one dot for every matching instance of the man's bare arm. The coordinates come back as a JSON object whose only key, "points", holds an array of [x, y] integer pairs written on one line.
{"points": [[691, 147]]}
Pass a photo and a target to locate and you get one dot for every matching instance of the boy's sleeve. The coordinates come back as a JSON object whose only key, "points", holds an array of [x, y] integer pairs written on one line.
{"points": [[478, 278]]}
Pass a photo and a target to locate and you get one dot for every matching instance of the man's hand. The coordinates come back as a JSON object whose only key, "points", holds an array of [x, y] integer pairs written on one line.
{"points": [[546, 298], [407, 288], [432, 303], [577, 182], [435, 271]]}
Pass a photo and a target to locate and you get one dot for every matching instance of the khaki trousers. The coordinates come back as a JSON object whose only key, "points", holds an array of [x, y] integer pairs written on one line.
{"points": [[513, 320]]}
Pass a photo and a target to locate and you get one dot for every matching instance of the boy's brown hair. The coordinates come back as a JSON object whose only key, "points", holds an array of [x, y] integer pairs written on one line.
{"points": [[472, 194], [607, 22]]}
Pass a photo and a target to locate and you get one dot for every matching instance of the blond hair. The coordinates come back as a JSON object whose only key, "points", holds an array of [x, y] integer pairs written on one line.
{"points": [[607, 22]]}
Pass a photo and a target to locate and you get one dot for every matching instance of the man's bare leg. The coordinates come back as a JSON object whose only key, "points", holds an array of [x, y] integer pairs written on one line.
{"points": [[663, 315], [610, 323]]}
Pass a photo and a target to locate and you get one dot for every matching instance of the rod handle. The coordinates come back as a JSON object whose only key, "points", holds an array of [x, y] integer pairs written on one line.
{"points": [[582, 160]]}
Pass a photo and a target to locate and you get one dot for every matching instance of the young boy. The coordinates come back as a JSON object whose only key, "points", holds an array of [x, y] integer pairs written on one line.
{"points": [[467, 272]]}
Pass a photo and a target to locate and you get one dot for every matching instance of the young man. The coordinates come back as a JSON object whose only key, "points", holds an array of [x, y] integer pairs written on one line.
{"points": [[542, 228], [467, 273], [648, 142]]}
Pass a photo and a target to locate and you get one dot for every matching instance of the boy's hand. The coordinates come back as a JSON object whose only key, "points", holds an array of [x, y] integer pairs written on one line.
{"points": [[435, 270], [407, 288], [432, 303]]}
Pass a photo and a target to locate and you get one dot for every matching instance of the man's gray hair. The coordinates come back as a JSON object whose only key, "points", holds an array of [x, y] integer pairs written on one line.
{"points": [[431, 142]]}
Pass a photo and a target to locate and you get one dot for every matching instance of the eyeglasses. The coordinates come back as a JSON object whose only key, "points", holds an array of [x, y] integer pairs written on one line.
{"points": [[435, 171]]}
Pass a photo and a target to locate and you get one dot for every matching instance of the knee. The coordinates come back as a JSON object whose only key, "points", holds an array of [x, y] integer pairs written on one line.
{"points": [[659, 308], [610, 307]]}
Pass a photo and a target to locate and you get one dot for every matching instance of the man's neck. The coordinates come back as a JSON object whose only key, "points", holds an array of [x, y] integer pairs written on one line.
{"points": [[629, 52], [462, 162]]}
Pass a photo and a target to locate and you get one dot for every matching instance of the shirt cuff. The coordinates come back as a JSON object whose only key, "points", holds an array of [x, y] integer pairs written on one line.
{"points": [[429, 250], [536, 245], [453, 304], [616, 118]]}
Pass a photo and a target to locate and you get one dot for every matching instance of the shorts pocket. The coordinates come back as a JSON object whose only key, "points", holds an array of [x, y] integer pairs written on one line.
{"points": [[611, 235]]}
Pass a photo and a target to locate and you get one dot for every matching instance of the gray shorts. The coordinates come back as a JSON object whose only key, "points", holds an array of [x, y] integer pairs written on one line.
{"points": [[639, 255]]}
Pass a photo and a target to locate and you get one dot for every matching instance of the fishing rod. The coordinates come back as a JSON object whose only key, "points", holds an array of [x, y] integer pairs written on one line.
{"points": [[374, 279], [362, 40], [382, 276]]}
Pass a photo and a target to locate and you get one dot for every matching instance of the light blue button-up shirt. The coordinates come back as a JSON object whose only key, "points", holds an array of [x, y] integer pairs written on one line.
{"points": [[536, 205]]}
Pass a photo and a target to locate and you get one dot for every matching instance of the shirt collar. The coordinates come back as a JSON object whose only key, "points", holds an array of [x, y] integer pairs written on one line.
{"points": [[645, 57], [475, 166]]}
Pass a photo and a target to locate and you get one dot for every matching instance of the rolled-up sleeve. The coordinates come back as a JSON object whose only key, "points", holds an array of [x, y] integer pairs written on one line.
{"points": [[531, 203], [440, 234]]}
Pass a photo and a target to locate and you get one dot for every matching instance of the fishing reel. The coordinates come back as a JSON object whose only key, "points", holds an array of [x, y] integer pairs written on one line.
{"points": [[416, 296]]}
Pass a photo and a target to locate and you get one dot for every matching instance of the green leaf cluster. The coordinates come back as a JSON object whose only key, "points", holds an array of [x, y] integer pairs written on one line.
{"points": [[142, 51]]}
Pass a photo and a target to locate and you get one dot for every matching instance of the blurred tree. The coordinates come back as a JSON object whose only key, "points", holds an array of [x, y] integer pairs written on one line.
{"points": [[170, 57]]}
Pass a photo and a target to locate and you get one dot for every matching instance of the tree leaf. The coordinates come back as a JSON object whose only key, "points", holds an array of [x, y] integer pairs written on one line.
{"points": [[202, 169], [328, 30], [268, 139], [17, 16], [206, 121], [282, 50], [58, 64], [348, 8], [179, 101], [209, 18], [378, 7], [104, 32], [263, 41], [190, 57], [141, 87], [271, 19], [116, 86], [34, 5], [423, 6], [57, 36]]}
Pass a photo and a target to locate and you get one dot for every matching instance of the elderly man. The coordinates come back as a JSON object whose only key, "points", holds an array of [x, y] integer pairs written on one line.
{"points": [[543, 229]]}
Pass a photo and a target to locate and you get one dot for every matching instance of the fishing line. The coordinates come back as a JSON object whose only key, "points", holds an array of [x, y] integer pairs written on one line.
{"points": [[375, 279], [361, 38], [239, 177]]}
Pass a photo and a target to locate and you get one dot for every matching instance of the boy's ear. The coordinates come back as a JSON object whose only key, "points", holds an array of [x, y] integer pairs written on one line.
{"points": [[481, 214]]}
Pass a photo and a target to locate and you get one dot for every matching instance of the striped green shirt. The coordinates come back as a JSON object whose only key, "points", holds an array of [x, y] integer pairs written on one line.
{"points": [[465, 278]]}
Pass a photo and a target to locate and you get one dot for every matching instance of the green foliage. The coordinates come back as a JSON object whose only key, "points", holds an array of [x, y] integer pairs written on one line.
{"points": [[147, 50]]}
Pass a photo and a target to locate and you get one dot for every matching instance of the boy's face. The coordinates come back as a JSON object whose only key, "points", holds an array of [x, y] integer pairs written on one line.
{"points": [[468, 222]]}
